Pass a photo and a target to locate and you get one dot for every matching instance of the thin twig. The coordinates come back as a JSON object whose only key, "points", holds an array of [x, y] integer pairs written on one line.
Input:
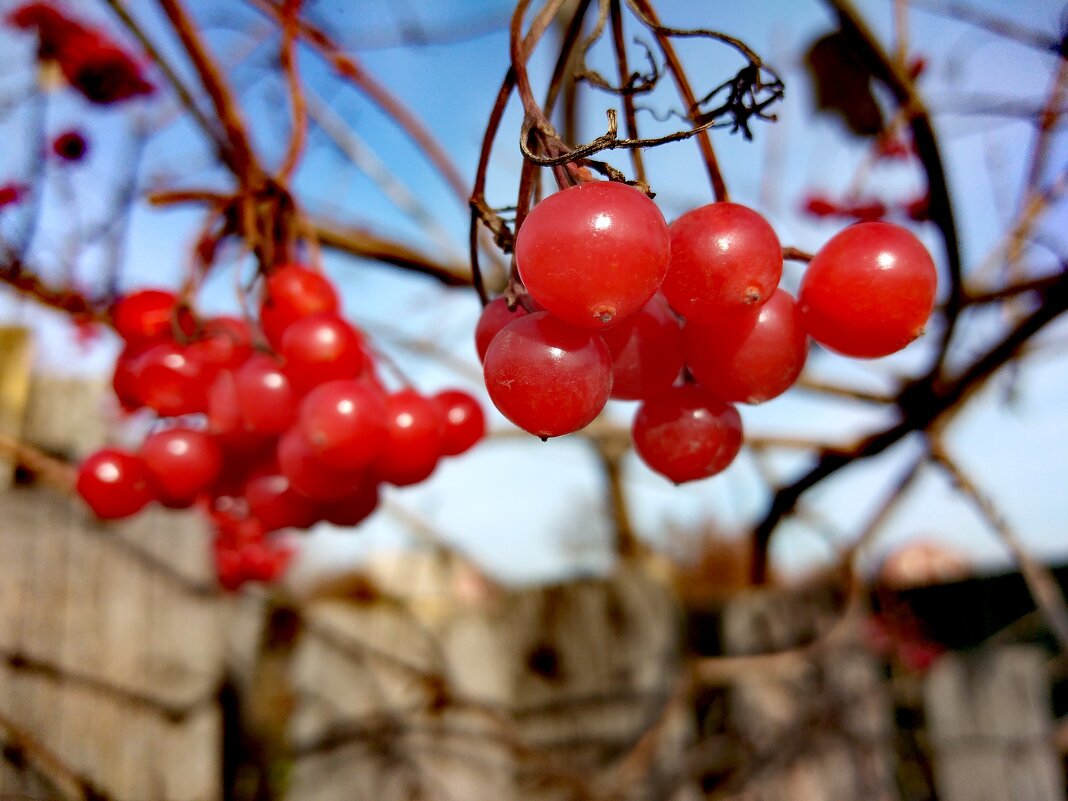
{"points": [[298, 106], [241, 159], [1040, 581]]}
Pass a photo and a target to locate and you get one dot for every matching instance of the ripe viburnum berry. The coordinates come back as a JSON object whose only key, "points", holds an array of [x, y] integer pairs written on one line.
{"points": [[414, 433], [70, 146], [293, 292], [114, 484], [750, 356], [725, 257], [686, 434], [646, 351], [465, 424], [548, 377], [869, 291], [593, 254], [183, 462]]}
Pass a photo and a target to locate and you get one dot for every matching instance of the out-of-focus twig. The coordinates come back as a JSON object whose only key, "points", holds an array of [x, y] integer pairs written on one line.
{"points": [[1040, 581]]}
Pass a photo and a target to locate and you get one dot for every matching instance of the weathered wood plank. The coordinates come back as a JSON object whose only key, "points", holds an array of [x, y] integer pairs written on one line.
{"points": [[990, 723], [818, 728], [110, 661], [16, 358]]}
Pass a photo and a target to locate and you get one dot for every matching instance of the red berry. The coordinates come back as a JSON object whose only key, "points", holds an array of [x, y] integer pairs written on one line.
{"points": [[228, 567], [293, 292], [255, 399], [183, 463], [114, 484], [465, 424], [494, 317], [414, 430], [124, 379], [869, 291], [352, 509], [344, 423], [170, 381], [646, 351], [311, 476], [275, 504], [548, 377], [749, 356], [724, 257], [70, 146], [223, 343], [147, 315], [686, 434], [320, 348], [263, 561], [593, 254]]}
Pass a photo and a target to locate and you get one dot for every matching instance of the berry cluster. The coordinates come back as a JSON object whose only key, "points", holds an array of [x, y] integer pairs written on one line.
{"points": [[92, 64], [264, 436], [688, 318]]}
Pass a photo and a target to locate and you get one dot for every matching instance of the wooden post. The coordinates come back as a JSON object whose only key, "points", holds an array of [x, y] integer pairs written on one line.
{"points": [[990, 723], [543, 694], [16, 358], [111, 648], [819, 728]]}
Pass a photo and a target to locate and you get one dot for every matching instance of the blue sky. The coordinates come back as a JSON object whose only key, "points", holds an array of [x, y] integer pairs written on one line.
{"points": [[518, 505]]}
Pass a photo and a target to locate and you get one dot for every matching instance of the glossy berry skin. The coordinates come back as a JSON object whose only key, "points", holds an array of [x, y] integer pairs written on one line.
{"points": [[548, 377], [869, 291], [344, 423], [319, 348], [223, 343], [414, 431], [183, 463], [311, 476], [114, 484], [124, 378], [593, 254], [687, 434], [292, 292], [255, 400], [147, 315], [352, 509], [171, 381], [275, 504], [724, 258], [494, 317], [646, 351], [464, 423], [749, 357]]}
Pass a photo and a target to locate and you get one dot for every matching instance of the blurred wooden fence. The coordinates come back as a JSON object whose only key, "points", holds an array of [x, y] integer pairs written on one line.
{"points": [[125, 676]]}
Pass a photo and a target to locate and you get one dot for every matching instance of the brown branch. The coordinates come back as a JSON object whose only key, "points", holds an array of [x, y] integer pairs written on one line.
{"points": [[238, 152], [929, 152], [824, 388], [118, 7], [298, 106], [978, 298], [923, 404], [360, 242], [796, 254], [629, 116], [66, 675], [1040, 581], [63, 299], [57, 473], [73, 785], [682, 83], [347, 66], [610, 445]]}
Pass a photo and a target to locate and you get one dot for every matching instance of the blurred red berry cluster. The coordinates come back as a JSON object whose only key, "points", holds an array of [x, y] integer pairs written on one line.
{"points": [[91, 62], [271, 424]]}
